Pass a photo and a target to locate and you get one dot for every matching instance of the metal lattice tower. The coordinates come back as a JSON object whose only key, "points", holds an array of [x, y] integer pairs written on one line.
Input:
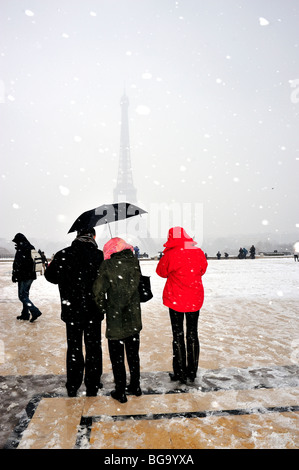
{"points": [[124, 190]]}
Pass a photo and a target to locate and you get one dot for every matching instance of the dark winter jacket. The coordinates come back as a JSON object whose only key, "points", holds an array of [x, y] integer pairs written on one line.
{"points": [[119, 279], [23, 265], [75, 269], [183, 264]]}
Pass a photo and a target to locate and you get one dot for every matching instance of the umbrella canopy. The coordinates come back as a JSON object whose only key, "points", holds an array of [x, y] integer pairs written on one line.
{"points": [[105, 214]]}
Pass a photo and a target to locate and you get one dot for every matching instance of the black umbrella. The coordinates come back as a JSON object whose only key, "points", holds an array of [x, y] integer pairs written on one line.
{"points": [[104, 214]]}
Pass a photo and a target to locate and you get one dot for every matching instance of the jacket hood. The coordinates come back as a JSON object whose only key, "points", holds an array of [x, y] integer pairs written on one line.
{"points": [[178, 237], [115, 245], [20, 239]]}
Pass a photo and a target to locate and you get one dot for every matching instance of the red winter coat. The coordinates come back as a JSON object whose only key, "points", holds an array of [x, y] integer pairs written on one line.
{"points": [[183, 264]]}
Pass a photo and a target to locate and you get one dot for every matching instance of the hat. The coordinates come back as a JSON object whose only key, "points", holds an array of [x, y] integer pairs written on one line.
{"points": [[115, 245], [86, 231]]}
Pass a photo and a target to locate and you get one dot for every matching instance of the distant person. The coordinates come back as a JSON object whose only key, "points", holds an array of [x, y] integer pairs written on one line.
{"points": [[296, 255], [136, 251], [44, 259], [75, 269], [245, 252], [23, 272], [183, 264], [118, 279], [218, 255], [226, 255], [252, 252], [241, 254]]}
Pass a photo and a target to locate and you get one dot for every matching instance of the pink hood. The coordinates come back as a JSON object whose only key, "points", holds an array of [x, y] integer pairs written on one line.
{"points": [[114, 246]]}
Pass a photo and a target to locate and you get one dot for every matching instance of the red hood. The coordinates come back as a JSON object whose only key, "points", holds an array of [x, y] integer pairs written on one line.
{"points": [[177, 237]]}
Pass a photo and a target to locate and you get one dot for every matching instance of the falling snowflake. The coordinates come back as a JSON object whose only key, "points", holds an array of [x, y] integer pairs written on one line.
{"points": [[64, 191], [263, 21], [146, 76]]}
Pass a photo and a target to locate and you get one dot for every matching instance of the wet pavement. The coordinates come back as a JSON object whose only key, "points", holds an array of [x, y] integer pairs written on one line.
{"points": [[245, 395]]}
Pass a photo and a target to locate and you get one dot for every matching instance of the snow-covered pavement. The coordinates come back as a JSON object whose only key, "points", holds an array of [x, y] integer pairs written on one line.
{"points": [[249, 360]]}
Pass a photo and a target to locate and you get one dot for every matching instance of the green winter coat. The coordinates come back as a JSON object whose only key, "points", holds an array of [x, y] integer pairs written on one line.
{"points": [[116, 294]]}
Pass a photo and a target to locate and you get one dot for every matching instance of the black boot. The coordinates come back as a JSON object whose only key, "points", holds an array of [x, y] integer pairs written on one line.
{"points": [[23, 317], [120, 396], [71, 392], [35, 316], [134, 390], [93, 391], [176, 378]]}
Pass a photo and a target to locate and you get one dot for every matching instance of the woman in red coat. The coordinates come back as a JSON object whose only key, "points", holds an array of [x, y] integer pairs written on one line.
{"points": [[183, 264]]}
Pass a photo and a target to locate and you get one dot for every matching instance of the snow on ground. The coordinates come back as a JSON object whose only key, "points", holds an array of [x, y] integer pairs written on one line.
{"points": [[248, 330], [249, 317]]}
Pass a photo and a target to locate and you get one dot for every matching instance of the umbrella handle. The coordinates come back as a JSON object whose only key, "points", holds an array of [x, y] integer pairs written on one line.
{"points": [[109, 229]]}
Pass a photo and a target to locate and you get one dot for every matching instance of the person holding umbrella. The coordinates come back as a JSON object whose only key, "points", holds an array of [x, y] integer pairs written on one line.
{"points": [[116, 293], [183, 264], [75, 269]]}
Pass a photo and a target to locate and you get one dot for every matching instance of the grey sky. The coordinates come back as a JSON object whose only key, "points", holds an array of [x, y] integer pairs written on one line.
{"points": [[213, 115]]}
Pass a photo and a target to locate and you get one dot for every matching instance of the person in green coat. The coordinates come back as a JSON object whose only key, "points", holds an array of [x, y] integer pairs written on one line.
{"points": [[116, 294]]}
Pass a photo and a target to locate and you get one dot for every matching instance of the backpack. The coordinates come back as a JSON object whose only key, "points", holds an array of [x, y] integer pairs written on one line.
{"points": [[37, 261]]}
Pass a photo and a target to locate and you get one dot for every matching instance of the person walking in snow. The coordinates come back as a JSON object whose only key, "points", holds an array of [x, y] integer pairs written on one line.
{"points": [[116, 293], [75, 269], [44, 259], [183, 264], [252, 252], [23, 272]]}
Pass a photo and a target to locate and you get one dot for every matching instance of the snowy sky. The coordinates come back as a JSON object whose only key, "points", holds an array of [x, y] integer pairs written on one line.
{"points": [[213, 88]]}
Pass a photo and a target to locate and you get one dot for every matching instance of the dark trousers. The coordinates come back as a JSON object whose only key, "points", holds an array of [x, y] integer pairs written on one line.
{"points": [[117, 350], [185, 365], [75, 362], [23, 293]]}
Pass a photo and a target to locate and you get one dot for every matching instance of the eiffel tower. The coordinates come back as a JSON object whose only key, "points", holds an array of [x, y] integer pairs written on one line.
{"points": [[125, 190]]}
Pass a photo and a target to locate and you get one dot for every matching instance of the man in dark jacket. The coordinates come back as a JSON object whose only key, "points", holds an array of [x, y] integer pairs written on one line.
{"points": [[75, 269], [23, 272]]}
